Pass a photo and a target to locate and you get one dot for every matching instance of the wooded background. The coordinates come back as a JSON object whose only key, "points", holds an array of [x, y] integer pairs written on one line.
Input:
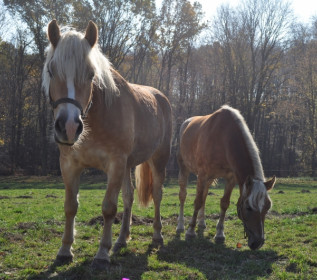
{"points": [[255, 57]]}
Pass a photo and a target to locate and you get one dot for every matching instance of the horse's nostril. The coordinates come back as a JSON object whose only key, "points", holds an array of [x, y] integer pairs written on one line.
{"points": [[80, 128], [60, 126]]}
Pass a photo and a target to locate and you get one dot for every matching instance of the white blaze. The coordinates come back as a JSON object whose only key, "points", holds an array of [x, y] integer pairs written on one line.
{"points": [[70, 88], [72, 110]]}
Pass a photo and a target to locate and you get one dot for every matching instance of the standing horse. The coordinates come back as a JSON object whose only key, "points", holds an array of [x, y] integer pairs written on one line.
{"points": [[104, 122], [220, 145]]}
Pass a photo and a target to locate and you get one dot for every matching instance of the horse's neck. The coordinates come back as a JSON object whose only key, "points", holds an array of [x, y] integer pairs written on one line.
{"points": [[103, 108], [243, 171], [119, 80], [242, 161], [99, 95]]}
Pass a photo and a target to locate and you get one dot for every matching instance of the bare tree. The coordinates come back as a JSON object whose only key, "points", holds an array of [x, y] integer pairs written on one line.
{"points": [[253, 41], [180, 23], [119, 24]]}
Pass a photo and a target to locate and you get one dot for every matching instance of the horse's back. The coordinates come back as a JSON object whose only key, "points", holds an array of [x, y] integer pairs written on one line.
{"points": [[188, 138]]}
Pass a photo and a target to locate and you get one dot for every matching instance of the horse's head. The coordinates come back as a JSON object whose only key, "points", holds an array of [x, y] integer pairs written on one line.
{"points": [[68, 79], [253, 205]]}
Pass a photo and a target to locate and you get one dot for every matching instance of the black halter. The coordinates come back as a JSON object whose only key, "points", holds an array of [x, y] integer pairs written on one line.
{"points": [[240, 215], [83, 114]]}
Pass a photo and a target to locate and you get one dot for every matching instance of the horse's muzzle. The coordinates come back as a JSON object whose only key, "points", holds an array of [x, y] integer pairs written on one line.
{"points": [[67, 131], [255, 243]]}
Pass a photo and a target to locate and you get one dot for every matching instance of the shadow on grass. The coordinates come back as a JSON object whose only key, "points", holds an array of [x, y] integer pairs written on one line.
{"points": [[123, 265], [216, 261]]}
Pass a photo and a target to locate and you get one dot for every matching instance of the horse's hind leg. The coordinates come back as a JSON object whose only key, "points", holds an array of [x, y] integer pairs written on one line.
{"points": [[127, 196], [157, 165], [201, 213], [202, 183], [182, 181], [224, 204], [116, 174], [71, 177]]}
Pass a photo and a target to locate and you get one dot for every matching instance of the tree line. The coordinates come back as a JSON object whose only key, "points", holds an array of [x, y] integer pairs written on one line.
{"points": [[255, 57]]}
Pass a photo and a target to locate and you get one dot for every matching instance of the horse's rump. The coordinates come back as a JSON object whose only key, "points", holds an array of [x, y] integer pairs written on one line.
{"points": [[161, 130]]}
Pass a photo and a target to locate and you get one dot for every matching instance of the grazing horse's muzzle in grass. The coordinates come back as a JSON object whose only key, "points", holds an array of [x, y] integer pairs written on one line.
{"points": [[255, 240], [255, 243]]}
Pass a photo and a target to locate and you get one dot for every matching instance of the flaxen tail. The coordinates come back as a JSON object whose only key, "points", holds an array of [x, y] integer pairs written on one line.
{"points": [[144, 183]]}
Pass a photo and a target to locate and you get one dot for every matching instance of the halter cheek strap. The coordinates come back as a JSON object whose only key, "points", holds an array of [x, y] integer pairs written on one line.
{"points": [[240, 215]]}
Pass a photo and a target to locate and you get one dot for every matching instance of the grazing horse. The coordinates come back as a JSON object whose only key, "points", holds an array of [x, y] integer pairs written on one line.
{"points": [[104, 122], [220, 145]]}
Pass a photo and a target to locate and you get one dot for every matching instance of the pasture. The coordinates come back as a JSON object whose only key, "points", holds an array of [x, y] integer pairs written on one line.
{"points": [[31, 227]]}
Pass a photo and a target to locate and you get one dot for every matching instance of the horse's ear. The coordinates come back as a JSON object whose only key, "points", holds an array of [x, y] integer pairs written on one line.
{"points": [[91, 34], [270, 183], [53, 32]]}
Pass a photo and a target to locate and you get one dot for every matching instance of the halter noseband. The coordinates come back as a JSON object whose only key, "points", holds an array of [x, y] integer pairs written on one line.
{"points": [[83, 114]]}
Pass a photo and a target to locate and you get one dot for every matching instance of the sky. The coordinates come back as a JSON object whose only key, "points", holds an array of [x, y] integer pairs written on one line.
{"points": [[303, 9]]}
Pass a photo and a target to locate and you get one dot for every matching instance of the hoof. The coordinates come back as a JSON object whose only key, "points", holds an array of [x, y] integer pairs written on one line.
{"points": [[118, 246], [157, 242], [202, 226], [219, 239], [62, 260], [200, 231], [180, 230], [100, 265], [190, 236]]}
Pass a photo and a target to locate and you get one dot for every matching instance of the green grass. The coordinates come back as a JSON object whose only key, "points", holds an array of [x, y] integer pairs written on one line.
{"points": [[32, 218]]}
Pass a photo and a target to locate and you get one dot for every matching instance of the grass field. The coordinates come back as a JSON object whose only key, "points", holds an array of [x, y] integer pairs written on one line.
{"points": [[31, 227]]}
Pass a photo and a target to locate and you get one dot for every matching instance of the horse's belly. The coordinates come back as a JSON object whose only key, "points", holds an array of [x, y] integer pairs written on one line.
{"points": [[142, 152], [206, 164]]}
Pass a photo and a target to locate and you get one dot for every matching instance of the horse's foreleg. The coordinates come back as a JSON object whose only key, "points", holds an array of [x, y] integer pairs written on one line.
{"points": [[182, 181], [116, 175], [224, 204], [127, 196], [71, 178], [197, 206]]}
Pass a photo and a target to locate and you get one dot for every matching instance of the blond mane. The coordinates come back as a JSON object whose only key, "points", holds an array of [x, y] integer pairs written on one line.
{"points": [[73, 57], [253, 149]]}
